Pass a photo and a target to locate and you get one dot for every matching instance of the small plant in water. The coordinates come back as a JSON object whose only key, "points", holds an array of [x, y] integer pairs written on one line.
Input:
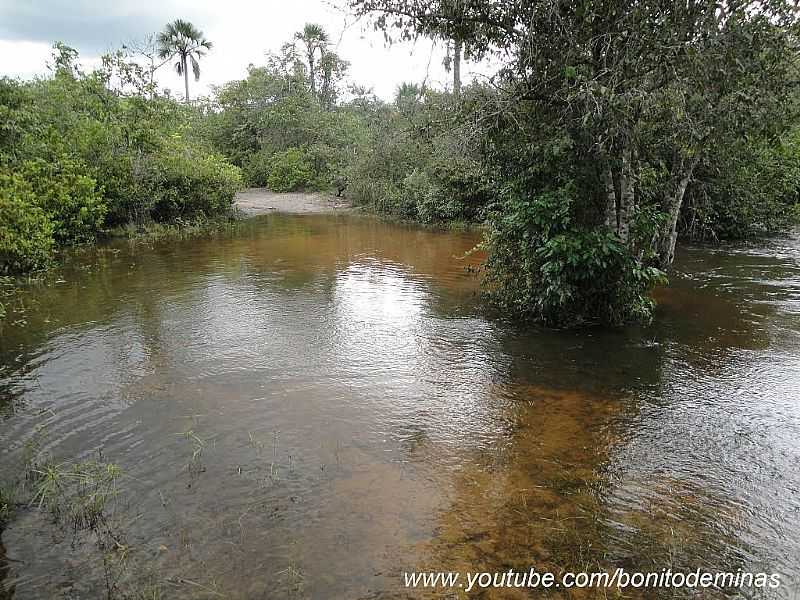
{"points": [[194, 466], [5, 507], [76, 494]]}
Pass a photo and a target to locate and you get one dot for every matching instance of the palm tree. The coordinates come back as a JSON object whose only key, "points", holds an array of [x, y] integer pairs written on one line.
{"points": [[407, 95], [183, 40], [314, 38]]}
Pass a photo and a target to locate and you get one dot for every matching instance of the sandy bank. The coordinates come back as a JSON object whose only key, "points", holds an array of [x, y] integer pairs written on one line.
{"points": [[259, 201]]}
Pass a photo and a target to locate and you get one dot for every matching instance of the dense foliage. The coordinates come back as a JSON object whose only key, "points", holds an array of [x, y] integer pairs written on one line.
{"points": [[602, 117], [748, 188], [420, 162], [609, 130], [26, 234], [285, 128], [82, 152], [546, 266], [271, 120]]}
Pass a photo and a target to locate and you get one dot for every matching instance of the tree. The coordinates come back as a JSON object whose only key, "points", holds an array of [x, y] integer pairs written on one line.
{"points": [[453, 63], [457, 51], [315, 39], [607, 106], [323, 68], [183, 40], [332, 71], [148, 49]]}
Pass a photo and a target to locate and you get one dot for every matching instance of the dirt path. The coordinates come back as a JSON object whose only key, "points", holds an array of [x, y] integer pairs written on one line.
{"points": [[259, 201]]}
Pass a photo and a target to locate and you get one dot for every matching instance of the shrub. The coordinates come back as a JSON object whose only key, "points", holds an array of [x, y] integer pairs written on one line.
{"points": [[93, 150], [256, 168], [418, 197], [441, 196], [26, 233], [68, 196], [464, 191], [545, 267], [191, 182], [290, 171], [744, 190]]}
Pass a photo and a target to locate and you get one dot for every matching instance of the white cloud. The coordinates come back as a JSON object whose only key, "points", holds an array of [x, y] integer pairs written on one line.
{"points": [[23, 59]]}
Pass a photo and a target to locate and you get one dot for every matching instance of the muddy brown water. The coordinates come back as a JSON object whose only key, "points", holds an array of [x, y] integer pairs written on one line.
{"points": [[360, 416]]}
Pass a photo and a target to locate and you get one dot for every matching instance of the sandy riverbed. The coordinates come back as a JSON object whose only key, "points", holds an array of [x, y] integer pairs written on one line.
{"points": [[258, 201]]}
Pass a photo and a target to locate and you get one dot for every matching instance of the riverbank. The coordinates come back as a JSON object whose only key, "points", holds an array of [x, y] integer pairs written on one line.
{"points": [[259, 201]]}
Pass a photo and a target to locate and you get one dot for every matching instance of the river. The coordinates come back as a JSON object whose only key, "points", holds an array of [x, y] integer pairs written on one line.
{"points": [[312, 405]]}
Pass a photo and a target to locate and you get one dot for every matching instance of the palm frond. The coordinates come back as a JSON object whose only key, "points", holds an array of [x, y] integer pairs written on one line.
{"points": [[315, 32], [195, 67], [180, 37]]}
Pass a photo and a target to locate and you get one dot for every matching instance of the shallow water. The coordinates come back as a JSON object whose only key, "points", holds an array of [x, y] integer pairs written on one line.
{"points": [[358, 416]]}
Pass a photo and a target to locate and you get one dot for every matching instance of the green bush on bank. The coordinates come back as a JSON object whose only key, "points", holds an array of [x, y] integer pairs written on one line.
{"points": [[416, 163], [87, 155], [26, 233], [69, 198], [256, 168], [290, 171], [193, 184]]}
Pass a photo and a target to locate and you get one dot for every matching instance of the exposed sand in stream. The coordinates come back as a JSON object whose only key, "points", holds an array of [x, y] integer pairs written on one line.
{"points": [[259, 201]]}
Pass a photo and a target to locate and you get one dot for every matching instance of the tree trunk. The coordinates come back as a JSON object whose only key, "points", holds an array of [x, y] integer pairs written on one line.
{"points": [[626, 195], [185, 77], [457, 51], [611, 202], [668, 237], [152, 77], [325, 88], [311, 75]]}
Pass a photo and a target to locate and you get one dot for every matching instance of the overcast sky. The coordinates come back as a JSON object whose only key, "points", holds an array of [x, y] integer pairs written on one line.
{"points": [[241, 30]]}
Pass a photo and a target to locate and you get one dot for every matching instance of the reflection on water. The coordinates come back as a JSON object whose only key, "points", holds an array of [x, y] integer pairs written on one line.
{"points": [[360, 417]]}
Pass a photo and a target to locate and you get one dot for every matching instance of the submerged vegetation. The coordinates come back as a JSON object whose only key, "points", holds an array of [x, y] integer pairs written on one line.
{"points": [[608, 132]]}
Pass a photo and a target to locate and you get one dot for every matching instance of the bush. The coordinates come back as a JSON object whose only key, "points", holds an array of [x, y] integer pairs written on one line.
{"points": [[290, 171], [70, 198], [192, 183], [464, 191], [447, 192], [26, 233], [744, 190], [256, 168], [544, 267], [93, 150], [418, 198]]}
